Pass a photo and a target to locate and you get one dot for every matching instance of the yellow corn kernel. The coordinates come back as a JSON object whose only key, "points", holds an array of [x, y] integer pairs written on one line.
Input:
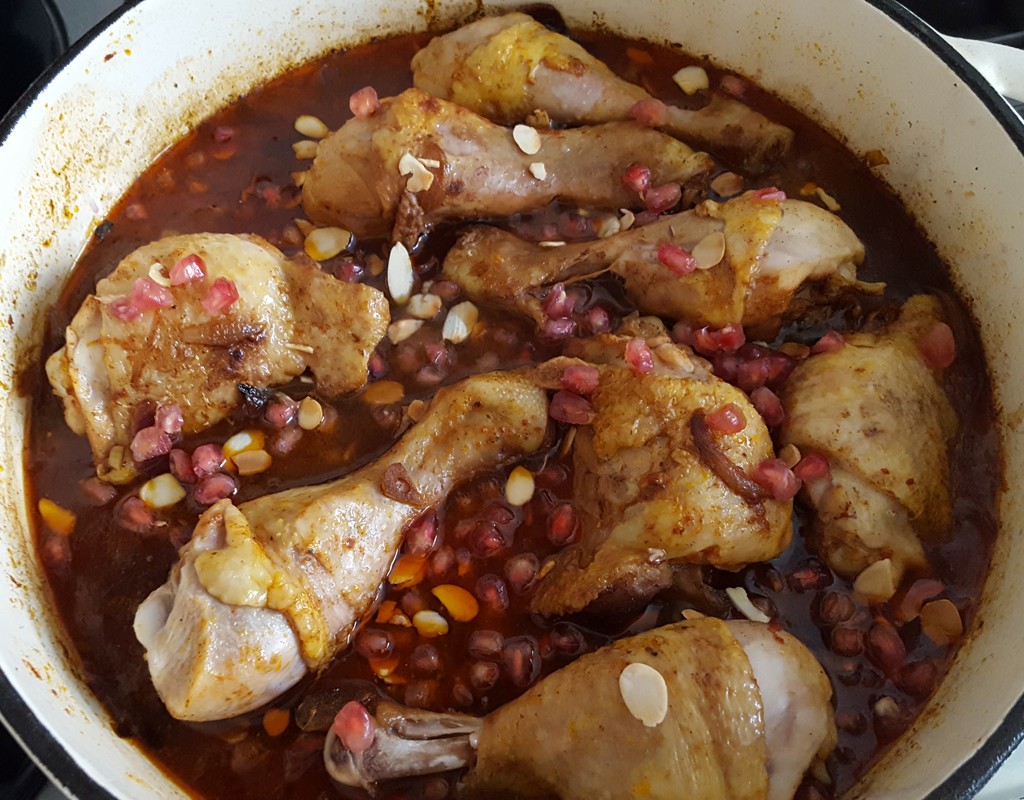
{"points": [[429, 624], [275, 721], [57, 518], [408, 570], [244, 440], [460, 604]]}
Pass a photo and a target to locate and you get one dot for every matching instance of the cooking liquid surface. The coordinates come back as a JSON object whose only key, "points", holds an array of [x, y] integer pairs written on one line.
{"points": [[243, 184]]}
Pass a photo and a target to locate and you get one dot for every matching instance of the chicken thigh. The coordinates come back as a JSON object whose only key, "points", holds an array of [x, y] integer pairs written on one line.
{"points": [[475, 169], [651, 491], [162, 331], [707, 710], [752, 256], [507, 67], [273, 588], [877, 412]]}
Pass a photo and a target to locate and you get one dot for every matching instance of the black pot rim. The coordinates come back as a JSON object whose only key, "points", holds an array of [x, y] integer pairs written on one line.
{"points": [[51, 757]]}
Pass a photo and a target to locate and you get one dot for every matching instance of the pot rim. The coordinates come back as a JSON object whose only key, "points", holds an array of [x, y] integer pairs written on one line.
{"points": [[966, 781]]}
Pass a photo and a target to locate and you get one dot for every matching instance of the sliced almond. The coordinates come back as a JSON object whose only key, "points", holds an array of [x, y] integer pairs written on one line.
{"points": [[311, 127], [399, 274], [158, 274], [727, 184], [691, 79], [402, 329], [538, 170], [383, 393], [609, 226], [830, 202], [304, 225], [692, 613], [738, 597], [645, 693], [551, 244], [429, 624], [305, 149], [424, 306], [527, 139], [519, 487], [324, 243], [790, 454], [459, 323], [627, 219], [941, 621], [311, 414], [420, 178], [710, 250], [877, 582]]}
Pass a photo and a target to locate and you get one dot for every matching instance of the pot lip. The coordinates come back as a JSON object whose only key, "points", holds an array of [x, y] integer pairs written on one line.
{"points": [[966, 781]]}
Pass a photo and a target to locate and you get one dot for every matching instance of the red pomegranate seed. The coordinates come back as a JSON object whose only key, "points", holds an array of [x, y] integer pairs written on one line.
{"points": [[847, 642], [774, 476], [938, 346], [446, 290], [286, 440], [559, 328], [425, 659], [169, 418], [97, 492], [769, 193], [150, 443], [637, 177], [136, 211], [708, 340], [354, 727], [571, 408], [521, 572], [521, 658], [557, 303], [374, 643], [811, 575], [659, 199], [187, 270], [486, 644], [147, 294], [364, 102], [835, 607], [768, 406], [181, 466], [812, 467], [732, 85], [350, 271], [599, 320], [680, 261], [638, 356], [123, 310], [492, 592], [212, 488], [429, 376], [580, 379], [918, 678], [282, 412], [220, 297], [562, 524], [727, 419], [650, 112], [135, 515], [56, 551], [442, 562], [378, 365], [224, 133], [483, 675], [829, 343], [413, 601], [885, 648], [421, 537], [208, 459], [566, 638], [489, 539]]}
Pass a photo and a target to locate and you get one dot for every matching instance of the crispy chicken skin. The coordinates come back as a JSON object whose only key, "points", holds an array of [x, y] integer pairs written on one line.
{"points": [[478, 169], [771, 249], [507, 67], [273, 588], [748, 712], [878, 413], [646, 497], [288, 316]]}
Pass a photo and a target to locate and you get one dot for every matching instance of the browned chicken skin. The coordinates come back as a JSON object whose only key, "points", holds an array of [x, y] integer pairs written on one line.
{"points": [[507, 67], [478, 169], [285, 319]]}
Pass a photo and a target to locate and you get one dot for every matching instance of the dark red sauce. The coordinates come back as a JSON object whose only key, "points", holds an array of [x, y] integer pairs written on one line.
{"points": [[233, 174]]}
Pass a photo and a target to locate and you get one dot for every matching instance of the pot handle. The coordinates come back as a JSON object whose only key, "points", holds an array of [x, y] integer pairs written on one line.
{"points": [[1000, 65]]}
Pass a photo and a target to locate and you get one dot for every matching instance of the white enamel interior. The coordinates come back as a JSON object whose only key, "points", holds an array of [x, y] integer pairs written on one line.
{"points": [[101, 121]]}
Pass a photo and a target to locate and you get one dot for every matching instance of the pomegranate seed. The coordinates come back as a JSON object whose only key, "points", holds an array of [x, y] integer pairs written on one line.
{"points": [[938, 346], [599, 320], [207, 459], [680, 261], [485, 644], [918, 678], [885, 648], [489, 539], [97, 492], [557, 304], [659, 199], [374, 644], [580, 379], [350, 272], [282, 412], [421, 537], [483, 675], [638, 356], [768, 406], [285, 441], [187, 270], [224, 133], [727, 419], [812, 467], [425, 660], [732, 85], [521, 572], [559, 328], [810, 575], [851, 722], [123, 311], [707, 340], [650, 112], [571, 408], [492, 592], [220, 297], [56, 551], [774, 476], [135, 515], [769, 193], [442, 562], [829, 343], [169, 418], [835, 607], [521, 659], [181, 466], [567, 639], [847, 642], [413, 602], [354, 727], [378, 365], [638, 178], [150, 443], [212, 488], [461, 694], [562, 524], [364, 102], [136, 211], [147, 294]]}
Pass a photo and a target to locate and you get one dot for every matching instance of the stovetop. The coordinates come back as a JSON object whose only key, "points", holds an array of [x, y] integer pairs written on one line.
{"points": [[35, 32]]}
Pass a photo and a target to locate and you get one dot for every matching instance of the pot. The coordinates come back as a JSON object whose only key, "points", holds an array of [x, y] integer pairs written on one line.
{"points": [[867, 70]]}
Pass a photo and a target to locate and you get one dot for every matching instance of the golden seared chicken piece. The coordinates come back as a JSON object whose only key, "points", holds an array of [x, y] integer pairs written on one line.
{"points": [[182, 321], [706, 710], [508, 67], [740, 261], [273, 588], [461, 166], [654, 484], [875, 409]]}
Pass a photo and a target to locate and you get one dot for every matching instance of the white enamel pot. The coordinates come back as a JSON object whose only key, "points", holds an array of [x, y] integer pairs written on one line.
{"points": [[865, 69]]}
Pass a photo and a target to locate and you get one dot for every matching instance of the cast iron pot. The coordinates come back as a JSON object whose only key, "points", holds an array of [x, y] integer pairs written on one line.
{"points": [[865, 69]]}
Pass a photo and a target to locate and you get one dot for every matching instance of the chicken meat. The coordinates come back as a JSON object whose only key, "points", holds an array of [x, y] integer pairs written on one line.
{"points": [[876, 410], [707, 709], [182, 321], [271, 589], [508, 67], [419, 160], [654, 486], [747, 258]]}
